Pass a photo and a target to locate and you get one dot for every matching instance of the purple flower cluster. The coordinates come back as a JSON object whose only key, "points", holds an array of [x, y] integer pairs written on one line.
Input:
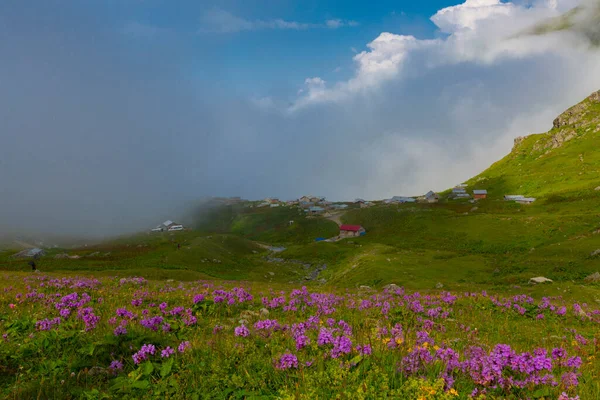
{"points": [[241, 331], [89, 318], [167, 352], [287, 361], [364, 350], [47, 324], [183, 346], [115, 366], [502, 368], [142, 355], [123, 313], [239, 294], [198, 298], [121, 330], [135, 280], [152, 323]]}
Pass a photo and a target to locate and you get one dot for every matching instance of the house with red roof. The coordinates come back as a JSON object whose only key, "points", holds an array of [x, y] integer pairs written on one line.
{"points": [[351, 231]]}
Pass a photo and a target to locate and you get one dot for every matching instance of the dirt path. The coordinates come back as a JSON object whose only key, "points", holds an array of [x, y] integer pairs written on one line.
{"points": [[336, 217]]}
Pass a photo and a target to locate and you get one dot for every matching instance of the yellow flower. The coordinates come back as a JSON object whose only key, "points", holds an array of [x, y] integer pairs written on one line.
{"points": [[436, 347], [399, 341], [574, 343], [425, 345], [386, 340], [453, 392]]}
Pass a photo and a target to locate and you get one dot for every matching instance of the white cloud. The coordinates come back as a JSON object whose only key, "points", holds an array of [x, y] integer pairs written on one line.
{"points": [[221, 21], [338, 23], [469, 14], [479, 31], [426, 114]]}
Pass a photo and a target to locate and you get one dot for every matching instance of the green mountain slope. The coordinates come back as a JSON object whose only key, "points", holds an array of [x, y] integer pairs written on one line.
{"points": [[564, 161]]}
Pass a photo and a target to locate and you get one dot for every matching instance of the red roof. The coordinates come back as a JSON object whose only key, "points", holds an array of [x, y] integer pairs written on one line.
{"points": [[351, 228]]}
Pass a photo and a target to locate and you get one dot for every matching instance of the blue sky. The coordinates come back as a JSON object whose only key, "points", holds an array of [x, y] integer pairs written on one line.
{"points": [[258, 61], [116, 113]]}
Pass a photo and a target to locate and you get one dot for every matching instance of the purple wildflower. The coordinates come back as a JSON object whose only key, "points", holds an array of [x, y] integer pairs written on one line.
{"points": [[167, 352], [242, 331], [183, 346], [287, 361]]}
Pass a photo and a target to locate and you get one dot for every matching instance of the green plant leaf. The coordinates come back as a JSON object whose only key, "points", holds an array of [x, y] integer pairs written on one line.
{"points": [[165, 369], [147, 368], [145, 384]]}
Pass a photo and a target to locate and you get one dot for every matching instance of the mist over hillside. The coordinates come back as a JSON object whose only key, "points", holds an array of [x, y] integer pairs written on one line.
{"points": [[111, 124], [583, 20]]}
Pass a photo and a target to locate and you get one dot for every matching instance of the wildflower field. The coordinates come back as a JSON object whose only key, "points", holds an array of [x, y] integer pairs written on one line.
{"points": [[129, 338]]}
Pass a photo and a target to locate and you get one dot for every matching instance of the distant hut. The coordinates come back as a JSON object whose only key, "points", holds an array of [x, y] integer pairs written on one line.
{"points": [[351, 231], [316, 210], [432, 197], [480, 194], [525, 200], [402, 199]]}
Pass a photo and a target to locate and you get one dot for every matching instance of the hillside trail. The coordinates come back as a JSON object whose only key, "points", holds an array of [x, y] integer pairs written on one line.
{"points": [[336, 217]]}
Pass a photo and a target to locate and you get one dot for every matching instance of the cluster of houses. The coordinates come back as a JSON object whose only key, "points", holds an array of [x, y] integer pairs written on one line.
{"points": [[313, 205], [429, 197], [319, 205], [168, 226], [460, 192]]}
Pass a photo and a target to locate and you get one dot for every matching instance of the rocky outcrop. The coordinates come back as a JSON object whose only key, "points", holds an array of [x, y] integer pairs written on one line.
{"points": [[595, 277], [573, 123], [540, 279], [574, 115], [518, 141]]}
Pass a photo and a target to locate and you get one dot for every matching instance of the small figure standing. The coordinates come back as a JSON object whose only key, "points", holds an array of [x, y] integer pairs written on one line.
{"points": [[32, 265], [178, 246]]}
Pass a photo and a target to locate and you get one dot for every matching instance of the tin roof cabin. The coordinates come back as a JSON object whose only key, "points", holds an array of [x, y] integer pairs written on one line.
{"points": [[525, 200], [480, 194], [402, 199], [351, 231], [431, 197]]}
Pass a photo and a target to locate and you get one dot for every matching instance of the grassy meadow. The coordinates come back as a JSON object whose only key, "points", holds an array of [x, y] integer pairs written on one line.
{"points": [[129, 338]]}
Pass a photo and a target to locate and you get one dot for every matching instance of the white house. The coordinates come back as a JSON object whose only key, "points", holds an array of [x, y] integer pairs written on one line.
{"points": [[513, 197], [167, 226], [525, 200], [402, 199]]}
